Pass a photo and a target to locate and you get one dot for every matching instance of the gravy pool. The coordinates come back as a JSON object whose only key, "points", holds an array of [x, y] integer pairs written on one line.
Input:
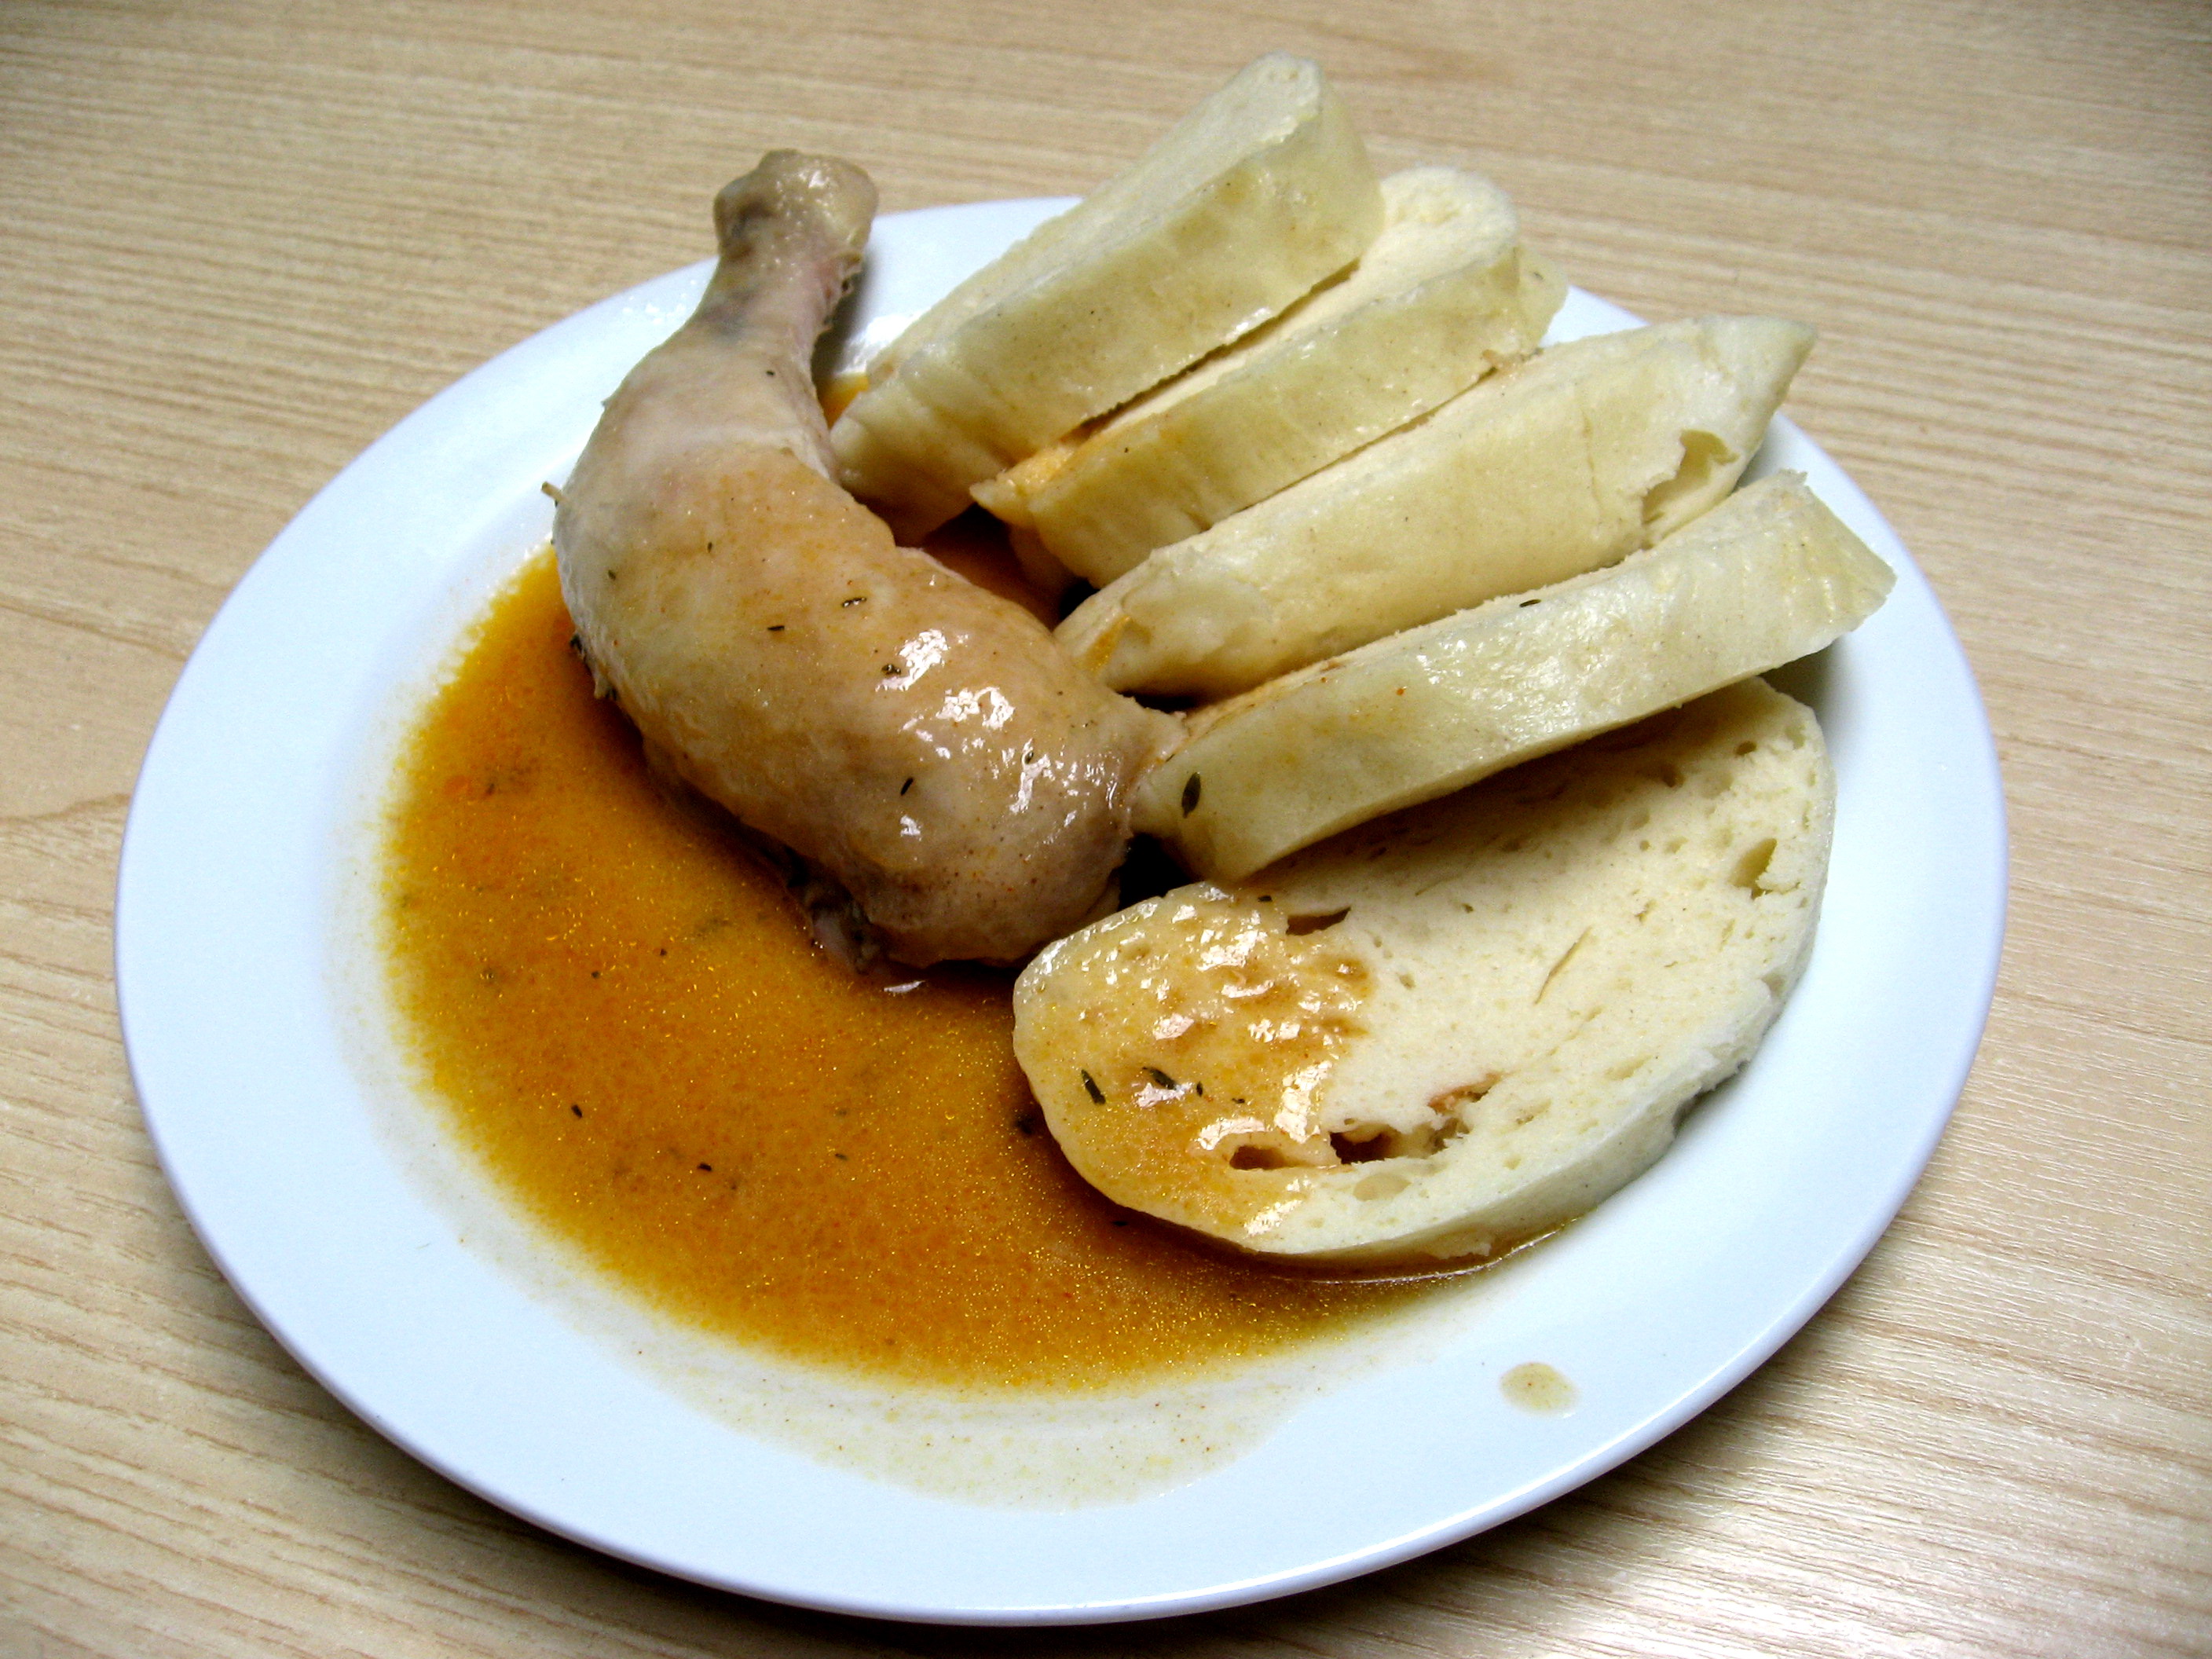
{"points": [[620, 1012]]}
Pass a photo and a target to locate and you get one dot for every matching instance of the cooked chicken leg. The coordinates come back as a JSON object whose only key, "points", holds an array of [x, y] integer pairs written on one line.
{"points": [[923, 741]]}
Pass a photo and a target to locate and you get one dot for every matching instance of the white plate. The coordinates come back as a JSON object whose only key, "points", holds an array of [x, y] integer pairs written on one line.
{"points": [[247, 833]]}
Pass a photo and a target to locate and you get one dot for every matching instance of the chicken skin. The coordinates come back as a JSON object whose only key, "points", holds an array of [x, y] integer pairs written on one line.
{"points": [[923, 742]]}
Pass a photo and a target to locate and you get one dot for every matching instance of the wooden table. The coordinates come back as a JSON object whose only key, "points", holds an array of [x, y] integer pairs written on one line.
{"points": [[242, 239]]}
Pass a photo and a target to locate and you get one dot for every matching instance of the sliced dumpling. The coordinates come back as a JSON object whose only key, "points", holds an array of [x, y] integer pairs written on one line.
{"points": [[1577, 458], [1768, 576], [1255, 196], [1445, 295], [1455, 1028]]}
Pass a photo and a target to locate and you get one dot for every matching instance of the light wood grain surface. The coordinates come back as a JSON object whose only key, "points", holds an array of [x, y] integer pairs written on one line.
{"points": [[238, 240]]}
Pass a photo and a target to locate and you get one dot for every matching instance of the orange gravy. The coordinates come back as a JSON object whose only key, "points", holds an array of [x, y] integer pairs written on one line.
{"points": [[621, 1013]]}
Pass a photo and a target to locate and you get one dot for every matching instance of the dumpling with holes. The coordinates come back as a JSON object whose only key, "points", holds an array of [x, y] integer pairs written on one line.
{"points": [[1442, 1034]]}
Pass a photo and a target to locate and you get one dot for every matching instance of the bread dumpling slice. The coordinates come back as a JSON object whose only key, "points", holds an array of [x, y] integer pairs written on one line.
{"points": [[1251, 199], [1577, 458], [1452, 1030], [1768, 576], [1443, 296]]}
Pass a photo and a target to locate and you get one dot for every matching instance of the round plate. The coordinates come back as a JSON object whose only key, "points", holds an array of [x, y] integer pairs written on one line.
{"points": [[254, 821]]}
